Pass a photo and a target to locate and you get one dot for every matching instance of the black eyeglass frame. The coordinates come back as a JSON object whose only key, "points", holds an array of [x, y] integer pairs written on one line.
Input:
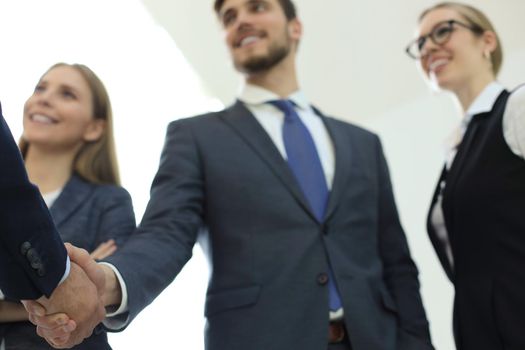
{"points": [[420, 42]]}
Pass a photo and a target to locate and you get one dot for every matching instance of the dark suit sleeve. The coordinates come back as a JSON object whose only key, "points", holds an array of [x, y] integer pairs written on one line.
{"points": [[400, 272], [32, 255], [163, 243]]}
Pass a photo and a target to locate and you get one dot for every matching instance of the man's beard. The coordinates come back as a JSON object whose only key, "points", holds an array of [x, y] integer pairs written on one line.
{"points": [[260, 64]]}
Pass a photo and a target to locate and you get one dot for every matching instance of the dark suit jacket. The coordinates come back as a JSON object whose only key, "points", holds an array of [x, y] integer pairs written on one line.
{"points": [[32, 256], [221, 175], [86, 216], [483, 208]]}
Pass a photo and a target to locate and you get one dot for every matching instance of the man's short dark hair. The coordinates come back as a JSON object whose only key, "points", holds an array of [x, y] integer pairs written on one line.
{"points": [[287, 6]]}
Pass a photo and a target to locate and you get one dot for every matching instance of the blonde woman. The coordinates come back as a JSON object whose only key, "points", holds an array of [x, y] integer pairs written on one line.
{"points": [[476, 221], [69, 154]]}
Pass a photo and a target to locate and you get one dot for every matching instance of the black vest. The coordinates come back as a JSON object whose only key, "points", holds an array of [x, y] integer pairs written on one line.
{"points": [[484, 211]]}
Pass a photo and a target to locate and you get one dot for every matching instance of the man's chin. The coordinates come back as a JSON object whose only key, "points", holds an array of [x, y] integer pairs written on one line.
{"points": [[261, 63], [253, 65]]}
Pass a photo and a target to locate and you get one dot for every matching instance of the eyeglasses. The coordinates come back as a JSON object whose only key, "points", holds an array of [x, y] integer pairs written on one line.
{"points": [[439, 36]]}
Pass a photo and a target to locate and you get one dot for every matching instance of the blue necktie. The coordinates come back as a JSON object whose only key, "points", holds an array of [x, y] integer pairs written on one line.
{"points": [[305, 164]]}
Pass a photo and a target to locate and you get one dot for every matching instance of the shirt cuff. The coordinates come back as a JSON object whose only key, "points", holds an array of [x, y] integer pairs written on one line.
{"points": [[2, 297], [112, 322], [68, 269]]}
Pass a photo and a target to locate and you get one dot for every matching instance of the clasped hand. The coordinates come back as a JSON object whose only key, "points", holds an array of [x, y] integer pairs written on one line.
{"points": [[76, 306]]}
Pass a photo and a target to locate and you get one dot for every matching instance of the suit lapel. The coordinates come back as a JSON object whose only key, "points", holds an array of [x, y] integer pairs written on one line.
{"points": [[343, 156], [72, 196], [241, 120]]}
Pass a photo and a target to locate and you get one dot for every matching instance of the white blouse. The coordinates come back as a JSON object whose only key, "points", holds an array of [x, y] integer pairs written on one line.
{"points": [[51, 197]]}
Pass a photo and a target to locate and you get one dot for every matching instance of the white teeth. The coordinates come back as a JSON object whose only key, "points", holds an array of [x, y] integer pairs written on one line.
{"points": [[44, 119], [437, 63], [248, 40]]}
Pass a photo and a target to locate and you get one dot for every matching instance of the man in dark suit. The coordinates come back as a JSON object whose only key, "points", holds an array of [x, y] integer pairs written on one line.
{"points": [[33, 260], [295, 210]]}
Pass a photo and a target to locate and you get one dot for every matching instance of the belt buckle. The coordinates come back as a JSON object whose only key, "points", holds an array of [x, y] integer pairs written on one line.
{"points": [[336, 332]]}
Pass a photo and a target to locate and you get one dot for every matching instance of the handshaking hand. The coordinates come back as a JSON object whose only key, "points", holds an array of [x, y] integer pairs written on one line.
{"points": [[76, 306]]}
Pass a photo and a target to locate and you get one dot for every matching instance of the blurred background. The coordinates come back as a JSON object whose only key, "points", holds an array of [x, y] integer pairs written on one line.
{"points": [[162, 60]]}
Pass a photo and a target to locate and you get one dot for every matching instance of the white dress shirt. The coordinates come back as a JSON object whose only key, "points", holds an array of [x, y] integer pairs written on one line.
{"points": [[513, 133], [271, 118]]}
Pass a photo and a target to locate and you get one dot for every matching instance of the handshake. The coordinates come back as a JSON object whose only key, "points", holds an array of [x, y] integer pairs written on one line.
{"points": [[77, 305]]}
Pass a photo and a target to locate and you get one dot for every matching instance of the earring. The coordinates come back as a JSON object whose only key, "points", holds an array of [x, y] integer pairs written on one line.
{"points": [[486, 54]]}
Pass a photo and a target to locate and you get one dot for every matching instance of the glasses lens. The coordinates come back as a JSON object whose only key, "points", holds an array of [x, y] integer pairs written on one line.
{"points": [[441, 34], [438, 35], [414, 48]]}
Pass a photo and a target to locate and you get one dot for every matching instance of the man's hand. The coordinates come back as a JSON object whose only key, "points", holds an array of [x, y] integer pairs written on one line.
{"points": [[79, 297]]}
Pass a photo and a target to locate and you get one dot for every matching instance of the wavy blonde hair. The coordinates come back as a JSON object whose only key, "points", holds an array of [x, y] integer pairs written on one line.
{"points": [[96, 161]]}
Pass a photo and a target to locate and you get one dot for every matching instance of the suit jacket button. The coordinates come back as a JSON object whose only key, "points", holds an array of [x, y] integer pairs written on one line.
{"points": [[41, 272], [36, 264], [322, 279], [25, 247], [32, 255]]}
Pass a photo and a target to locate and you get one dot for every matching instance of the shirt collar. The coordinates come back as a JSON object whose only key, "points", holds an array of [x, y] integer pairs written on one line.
{"points": [[485, 101], [482, 104], [256, 96]]}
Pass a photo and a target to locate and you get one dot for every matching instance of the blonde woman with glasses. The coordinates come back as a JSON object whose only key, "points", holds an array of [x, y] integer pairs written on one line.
{"points": [[476, 220]]}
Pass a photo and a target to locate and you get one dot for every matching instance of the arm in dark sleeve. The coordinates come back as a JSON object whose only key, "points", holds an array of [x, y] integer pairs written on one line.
{"points": [[400, 272], [32, 255], [153, 256]]}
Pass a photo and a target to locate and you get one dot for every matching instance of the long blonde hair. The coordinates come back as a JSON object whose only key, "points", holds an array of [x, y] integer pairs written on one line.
{"points": [[96, 161], [476, 19]]}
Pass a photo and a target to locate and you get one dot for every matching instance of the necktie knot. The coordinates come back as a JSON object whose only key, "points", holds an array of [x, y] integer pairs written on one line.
{"points": [[287, 107]]}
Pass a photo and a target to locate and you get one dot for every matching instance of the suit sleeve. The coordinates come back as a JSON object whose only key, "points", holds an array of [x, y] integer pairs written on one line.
{"points": [[163, 243], [400, 272], [32, 255]]}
